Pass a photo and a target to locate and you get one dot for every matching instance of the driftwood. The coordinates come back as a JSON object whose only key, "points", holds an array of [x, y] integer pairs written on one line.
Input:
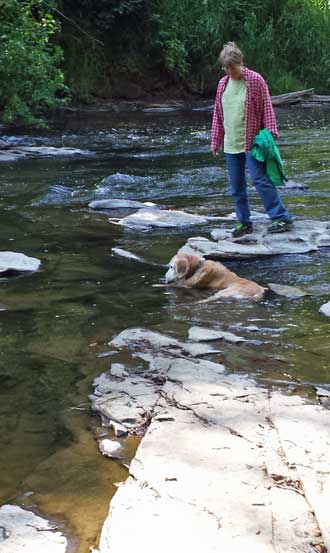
{"points": [[320, 99], [292, 97]]}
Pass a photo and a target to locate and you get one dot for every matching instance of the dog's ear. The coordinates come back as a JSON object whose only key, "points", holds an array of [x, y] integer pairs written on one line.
{"points": [[181, 265]]}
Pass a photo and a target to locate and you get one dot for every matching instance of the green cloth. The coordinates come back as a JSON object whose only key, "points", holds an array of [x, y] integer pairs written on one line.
{"points": [[233, 106], [264, 149]]}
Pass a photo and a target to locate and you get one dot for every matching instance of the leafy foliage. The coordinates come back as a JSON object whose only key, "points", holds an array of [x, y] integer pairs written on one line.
{"points": [[153, 43], [29, 74]]}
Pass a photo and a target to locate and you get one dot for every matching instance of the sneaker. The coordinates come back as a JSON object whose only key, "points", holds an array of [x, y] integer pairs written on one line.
{"points": [[241, 229], [280, 226]]}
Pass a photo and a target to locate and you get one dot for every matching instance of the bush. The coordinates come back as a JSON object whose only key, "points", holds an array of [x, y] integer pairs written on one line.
{"points": [[29, 63]]}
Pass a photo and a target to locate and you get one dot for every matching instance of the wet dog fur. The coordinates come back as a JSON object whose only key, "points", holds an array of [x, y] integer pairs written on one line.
{"points": [[194, 271]]}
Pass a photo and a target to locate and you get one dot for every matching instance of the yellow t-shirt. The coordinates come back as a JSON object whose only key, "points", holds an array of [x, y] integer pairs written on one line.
{"points": [[233, 107]]}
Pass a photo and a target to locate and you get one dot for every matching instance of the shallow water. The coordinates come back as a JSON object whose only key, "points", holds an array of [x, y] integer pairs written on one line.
{"points": [[56, 324]]}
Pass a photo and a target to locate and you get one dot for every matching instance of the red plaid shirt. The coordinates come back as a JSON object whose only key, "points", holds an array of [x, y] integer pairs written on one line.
{"points": [[259, 112]]}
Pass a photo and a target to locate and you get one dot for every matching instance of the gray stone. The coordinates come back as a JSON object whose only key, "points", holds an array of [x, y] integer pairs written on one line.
{"points": [[119, 204], [291, 292], [128, 255], [322, 392], [198, 334], [305, 236], [109, 448], [119, 429], [293, 185], [149, 218], [17, 262], [325, 309], [148, 340], [23, 531]]}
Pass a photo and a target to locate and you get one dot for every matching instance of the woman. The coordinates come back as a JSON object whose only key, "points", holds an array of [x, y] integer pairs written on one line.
{"points": [[242, 108]]}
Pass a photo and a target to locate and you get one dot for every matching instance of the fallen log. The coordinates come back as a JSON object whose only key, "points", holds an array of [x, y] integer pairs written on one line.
{"points": [[292, 97], [316, 98]]}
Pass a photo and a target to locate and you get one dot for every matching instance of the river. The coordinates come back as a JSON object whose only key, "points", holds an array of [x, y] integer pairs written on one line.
{"points": [[55, 325]]}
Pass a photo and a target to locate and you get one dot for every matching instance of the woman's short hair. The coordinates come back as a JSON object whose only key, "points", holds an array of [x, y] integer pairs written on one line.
{"points": [[230, 55]]}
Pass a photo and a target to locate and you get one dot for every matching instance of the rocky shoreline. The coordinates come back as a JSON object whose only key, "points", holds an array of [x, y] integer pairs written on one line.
{"points": [[225, 464]]}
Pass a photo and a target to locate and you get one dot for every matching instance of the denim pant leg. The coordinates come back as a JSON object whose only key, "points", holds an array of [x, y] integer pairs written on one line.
{"points": [[268, 192], [236, 169]]}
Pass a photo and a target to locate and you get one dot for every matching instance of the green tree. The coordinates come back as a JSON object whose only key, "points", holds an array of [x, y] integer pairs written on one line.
{"points": [[30, 78]]}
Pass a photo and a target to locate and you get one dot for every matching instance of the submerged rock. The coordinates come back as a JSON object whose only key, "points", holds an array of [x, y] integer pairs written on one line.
{"points": [[21, 152], [291, 292], [325, 309], [22, 530], [293, 185], [17, 262], [305, 236], [148, 218], [119, 204], [199, 334]]}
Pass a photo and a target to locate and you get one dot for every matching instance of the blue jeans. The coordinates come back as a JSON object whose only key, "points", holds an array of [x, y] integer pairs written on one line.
{"points": [[268, 192]]}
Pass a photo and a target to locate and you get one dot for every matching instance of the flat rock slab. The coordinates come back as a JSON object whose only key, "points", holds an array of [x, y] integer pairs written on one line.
{"points": [[143, 340], [305, 236], [225, 466], [162, 218], [23, 532], [325, 309], [123, 398], [17, 262], [21, 152]]}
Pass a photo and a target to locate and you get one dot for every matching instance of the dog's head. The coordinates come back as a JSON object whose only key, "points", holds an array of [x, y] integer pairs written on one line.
{"points": [[182, 266]]}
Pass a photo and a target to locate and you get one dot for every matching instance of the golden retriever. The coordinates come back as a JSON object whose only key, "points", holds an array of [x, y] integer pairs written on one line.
{"points": [[194, 271]]}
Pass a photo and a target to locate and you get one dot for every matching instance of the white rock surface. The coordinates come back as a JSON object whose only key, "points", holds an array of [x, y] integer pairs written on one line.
{"points": [[13, 261], [109, 448], [225, 466], [148, 340], [22, 531], [325, 309], [148, 218]]}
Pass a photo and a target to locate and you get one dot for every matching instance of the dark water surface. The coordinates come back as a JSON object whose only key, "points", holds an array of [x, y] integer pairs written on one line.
{"points": [[55, 324]]}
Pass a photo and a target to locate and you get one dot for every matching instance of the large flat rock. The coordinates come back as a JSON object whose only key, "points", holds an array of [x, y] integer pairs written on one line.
{"points": [[225, 465], [22, 531], [305, 236]]}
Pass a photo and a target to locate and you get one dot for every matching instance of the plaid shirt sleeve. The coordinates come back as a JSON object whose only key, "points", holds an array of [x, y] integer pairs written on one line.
{"points": [[269, 115]]}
